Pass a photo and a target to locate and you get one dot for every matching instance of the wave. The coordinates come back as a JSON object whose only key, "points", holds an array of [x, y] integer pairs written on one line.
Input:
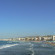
{"points": [[31, 49], [7, 45], [45, 45]]}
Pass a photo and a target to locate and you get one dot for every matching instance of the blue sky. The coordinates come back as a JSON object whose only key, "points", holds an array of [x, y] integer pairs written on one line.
{"points": [[20, 18]]}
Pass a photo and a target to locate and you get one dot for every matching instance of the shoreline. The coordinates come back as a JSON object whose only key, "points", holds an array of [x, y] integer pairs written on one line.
{"points": [[51, 43]]}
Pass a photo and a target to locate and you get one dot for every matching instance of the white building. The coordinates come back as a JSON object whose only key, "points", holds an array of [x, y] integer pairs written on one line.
{"points": [[40, 38], [47, 38], [53, 37]]}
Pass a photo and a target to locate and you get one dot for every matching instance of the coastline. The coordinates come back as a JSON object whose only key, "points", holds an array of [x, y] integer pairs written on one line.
{"points": [[51, 43]]}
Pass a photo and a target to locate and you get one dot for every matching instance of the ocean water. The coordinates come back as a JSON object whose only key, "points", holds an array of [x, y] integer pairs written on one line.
{"points": [[26, 48]]}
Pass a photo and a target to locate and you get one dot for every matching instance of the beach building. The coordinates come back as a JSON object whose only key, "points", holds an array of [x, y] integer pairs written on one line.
{"points": [[53, 37], [29, 38], [36, 38], [46, 38], [40, 38]]}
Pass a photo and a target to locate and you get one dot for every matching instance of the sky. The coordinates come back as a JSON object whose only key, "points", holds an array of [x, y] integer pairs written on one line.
{"points": [[19, 18]]}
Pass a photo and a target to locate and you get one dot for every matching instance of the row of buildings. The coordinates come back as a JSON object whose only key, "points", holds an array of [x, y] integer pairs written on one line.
{"points": [[36, 38]]}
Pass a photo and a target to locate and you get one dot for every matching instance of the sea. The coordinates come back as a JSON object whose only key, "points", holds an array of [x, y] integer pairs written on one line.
{"points": [[26, 48]]}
